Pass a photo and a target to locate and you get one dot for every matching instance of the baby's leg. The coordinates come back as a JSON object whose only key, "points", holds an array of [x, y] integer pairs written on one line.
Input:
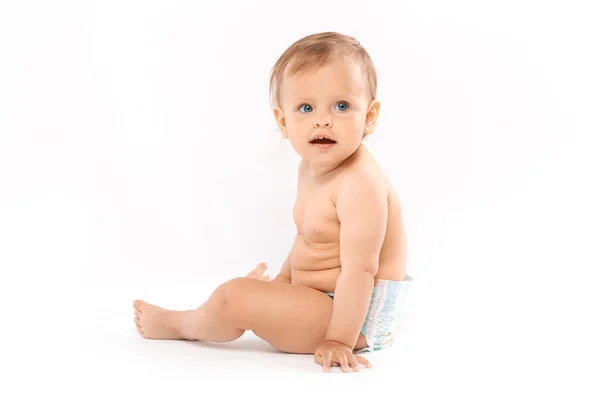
{"points": [[155, 318], [292, 318]]}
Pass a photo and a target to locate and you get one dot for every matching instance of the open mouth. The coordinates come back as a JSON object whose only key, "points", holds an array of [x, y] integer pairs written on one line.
{"points": [[322, 141]]}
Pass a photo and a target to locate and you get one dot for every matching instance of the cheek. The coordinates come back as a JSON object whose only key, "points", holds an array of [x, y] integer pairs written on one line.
{"points": [[353, 120], [351, 117], [297, 123]]}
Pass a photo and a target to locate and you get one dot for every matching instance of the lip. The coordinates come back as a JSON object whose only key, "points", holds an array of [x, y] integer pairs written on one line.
{"points": [[323, 146]]}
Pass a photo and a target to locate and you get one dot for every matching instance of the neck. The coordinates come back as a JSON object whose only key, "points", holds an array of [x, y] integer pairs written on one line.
{"points": [[322, 170]]}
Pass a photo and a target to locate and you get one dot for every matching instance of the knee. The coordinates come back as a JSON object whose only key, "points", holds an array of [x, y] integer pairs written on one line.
{"points": [[226, 297]]}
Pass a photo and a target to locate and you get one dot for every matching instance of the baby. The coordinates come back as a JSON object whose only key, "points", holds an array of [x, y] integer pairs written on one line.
{"points": [[341, 288]]}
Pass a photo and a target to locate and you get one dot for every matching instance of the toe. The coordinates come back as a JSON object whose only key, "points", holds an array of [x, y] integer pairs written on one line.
{"points": [[136, 320], [138, 304], [138, 313]]}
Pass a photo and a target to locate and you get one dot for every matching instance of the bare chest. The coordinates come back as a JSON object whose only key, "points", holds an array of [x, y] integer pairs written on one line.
{"points": [[315, 216], [315, 258]]}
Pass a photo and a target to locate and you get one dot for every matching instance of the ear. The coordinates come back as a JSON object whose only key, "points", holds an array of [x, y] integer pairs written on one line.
{"points": [[371, 118], [280, 119]]}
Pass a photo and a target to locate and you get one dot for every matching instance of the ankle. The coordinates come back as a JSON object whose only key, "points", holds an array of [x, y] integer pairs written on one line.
{"points": [[182, 323]]}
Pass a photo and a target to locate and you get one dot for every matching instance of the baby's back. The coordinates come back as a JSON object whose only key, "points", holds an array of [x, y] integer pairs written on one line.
{"points": [[315, 258]]}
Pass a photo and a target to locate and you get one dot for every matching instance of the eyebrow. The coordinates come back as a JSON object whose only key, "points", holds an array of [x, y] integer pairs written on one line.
{"points": [[338, 96]]}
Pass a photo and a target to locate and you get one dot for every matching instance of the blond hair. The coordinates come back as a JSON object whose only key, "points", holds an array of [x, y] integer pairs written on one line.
{"points": [[316, 51]]}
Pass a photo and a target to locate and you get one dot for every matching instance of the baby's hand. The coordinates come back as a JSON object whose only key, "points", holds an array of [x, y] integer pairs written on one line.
{"points": [[331, 353], [257, 273]]}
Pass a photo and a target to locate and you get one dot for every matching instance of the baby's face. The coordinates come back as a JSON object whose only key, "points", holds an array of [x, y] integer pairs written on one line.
{"points": [[333, 102]]}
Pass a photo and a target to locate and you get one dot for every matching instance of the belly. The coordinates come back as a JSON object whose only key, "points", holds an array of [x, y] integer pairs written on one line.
{"points": [[315, 265]]}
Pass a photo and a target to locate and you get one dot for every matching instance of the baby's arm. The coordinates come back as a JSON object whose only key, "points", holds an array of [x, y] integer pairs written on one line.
{"points": [[362, 212]]}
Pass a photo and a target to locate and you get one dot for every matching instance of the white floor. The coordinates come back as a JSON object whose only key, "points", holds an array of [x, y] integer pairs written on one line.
{"points": [[83, 344]]}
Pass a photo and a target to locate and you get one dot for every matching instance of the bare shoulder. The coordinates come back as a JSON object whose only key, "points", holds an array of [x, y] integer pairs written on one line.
{"points": [[364, 177], [357, 183], [361, 196]]}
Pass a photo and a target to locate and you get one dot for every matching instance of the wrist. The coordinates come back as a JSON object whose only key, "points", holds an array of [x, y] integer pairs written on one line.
{"points": [[337, 342]]}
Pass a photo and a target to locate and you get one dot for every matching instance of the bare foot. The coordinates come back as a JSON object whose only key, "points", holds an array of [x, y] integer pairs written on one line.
{"points": [[154, 322], [258, 271]]}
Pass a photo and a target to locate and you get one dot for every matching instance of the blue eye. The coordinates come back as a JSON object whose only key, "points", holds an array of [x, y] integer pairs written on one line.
{"points": [[302, 107], [344, 106]]}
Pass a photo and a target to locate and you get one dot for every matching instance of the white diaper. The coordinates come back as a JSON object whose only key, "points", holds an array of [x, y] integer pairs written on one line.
{"points": [[383, 315]]}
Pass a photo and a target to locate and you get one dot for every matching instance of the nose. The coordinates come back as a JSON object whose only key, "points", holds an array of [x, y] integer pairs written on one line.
{"points": [[322, 121]]}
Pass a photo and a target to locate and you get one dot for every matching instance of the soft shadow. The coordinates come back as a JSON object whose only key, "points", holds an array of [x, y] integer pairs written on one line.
{"points": [[248, 344], [251, 348]]}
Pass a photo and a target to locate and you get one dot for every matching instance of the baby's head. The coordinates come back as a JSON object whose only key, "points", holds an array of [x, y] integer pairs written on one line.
{"points": [[325, 85]]}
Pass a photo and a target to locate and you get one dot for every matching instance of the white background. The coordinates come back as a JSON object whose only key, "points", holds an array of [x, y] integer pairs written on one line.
{"points": [[139, 158]]}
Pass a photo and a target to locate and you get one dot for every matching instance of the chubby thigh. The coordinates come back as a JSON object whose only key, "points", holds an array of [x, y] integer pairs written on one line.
{"points": [[292, 318]]}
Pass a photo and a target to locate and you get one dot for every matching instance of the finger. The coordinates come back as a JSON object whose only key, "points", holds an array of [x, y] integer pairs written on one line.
{"points": [[364, 362], [343, 361], [318, 358], [327, 361], [258, 271], [353, 363]]}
